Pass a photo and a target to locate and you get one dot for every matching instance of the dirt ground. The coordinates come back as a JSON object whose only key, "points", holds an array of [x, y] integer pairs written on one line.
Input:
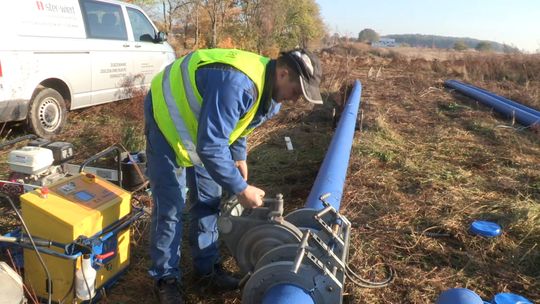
{"points": [[425, 163]]}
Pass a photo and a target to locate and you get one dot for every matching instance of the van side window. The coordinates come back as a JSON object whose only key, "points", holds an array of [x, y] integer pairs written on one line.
{"points": [[142, 28], [104, 20]]}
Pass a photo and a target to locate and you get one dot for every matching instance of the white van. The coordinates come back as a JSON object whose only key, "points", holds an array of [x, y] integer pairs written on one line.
{"points": [[60, 55]]}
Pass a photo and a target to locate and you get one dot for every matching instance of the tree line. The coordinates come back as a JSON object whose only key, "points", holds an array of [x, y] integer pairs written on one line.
{"points": [[442, 42], [263, 26]]}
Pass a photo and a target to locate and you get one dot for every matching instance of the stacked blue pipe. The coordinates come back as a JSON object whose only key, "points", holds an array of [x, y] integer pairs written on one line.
{"points": [[509, 108], [330, 179]]}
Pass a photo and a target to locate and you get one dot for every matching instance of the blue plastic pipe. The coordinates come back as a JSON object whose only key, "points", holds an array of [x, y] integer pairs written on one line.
{"points": [[287, 293], [501, 98], [524, 117], [333, 171], [330, 179]]}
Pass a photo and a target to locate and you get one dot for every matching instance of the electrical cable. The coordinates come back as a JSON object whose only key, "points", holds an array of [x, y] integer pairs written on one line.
{"points": [[16, 140], [361, 282], [367, 228], [49, 281], [18, 183], [31, 295], [365, 283]]}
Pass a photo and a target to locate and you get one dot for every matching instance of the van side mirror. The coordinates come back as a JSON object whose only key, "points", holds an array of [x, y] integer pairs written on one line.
{"points": [[146, 38], [160, 37]]}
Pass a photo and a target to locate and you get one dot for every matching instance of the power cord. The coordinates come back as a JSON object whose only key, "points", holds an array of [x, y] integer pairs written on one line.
{"points": [[361, 282], [49, 282], [441, 232]]}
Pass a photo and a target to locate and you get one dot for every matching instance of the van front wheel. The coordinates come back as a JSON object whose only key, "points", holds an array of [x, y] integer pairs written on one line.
{"points": [[47, 114]]}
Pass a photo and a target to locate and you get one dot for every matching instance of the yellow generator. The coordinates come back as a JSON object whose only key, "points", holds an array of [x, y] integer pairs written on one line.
{"points": [[82, 215]]}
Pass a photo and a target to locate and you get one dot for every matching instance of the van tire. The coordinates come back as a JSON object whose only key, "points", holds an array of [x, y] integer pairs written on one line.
{"points": [[47, 114]]}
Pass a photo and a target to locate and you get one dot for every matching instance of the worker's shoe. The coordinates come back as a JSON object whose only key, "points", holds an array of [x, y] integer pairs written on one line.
{"points": [[168, 291], [220, 279]]}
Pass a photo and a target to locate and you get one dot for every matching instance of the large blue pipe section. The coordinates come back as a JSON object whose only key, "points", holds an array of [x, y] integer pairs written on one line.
{"points": [[330, 180], [506, 100], [333, 171], [524, 115]]}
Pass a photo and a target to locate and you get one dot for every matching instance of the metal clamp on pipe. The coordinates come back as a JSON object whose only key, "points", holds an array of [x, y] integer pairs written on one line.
{"points": [[332, 228], [250, 233], [317, 264]]}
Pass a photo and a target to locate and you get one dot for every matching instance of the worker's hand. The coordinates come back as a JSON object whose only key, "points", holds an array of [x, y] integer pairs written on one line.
{"points": [[251, 197], [243, 168]]}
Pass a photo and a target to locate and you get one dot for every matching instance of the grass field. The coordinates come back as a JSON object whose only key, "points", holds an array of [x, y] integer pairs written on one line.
{"points": [[425, 159]]}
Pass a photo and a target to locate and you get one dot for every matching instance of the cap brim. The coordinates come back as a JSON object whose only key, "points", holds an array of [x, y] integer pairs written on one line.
{"points": [[311, 91]]}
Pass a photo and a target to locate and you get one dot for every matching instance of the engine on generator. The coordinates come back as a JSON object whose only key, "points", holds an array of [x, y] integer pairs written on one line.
{"points": [[40, 162]]}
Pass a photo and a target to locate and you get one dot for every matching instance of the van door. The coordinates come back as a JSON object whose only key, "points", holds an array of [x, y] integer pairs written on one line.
{"points": [[149, 57], [110, 50]]}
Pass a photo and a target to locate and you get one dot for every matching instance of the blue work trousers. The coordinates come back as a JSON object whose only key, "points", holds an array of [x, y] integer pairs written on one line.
{"points": [[167, 182]]}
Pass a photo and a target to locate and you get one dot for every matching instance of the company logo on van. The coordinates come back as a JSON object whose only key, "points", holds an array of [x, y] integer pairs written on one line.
{"points": [[54, 8]]}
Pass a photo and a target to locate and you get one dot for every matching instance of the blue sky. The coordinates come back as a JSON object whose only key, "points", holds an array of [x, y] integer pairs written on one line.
{"points": [[513, 22]]}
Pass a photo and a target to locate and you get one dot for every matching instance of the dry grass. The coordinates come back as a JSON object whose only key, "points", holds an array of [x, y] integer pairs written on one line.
{"points": [[429, 159], [425, 159]]}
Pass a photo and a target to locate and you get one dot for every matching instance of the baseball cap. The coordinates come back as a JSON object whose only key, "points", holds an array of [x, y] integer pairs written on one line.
{"points": [[308, 67]]}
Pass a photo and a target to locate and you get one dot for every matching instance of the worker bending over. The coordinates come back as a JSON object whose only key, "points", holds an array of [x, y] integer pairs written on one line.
{"points": [[197, 116]]}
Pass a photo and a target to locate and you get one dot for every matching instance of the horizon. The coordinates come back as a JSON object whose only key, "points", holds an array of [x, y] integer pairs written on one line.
{"points": [[513, 23]]}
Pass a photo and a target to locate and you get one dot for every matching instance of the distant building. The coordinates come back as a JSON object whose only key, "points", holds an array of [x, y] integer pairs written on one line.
{"points": [[385, 42]]}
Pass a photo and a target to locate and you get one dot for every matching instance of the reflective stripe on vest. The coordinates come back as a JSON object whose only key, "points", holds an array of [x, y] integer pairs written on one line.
{"points": [[179, 124], [190, 94]]}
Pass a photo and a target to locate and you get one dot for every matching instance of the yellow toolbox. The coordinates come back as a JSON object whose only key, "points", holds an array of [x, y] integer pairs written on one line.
{"points": [[82, 214]]}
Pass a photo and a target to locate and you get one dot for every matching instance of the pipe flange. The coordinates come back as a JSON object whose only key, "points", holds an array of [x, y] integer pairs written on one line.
{"points": [[259, 240], [320, 287], [281, 253], [305, 218], [288, 252]]}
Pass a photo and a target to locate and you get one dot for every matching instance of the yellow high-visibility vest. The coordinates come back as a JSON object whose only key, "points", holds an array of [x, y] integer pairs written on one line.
{"points": [[177, 102]]}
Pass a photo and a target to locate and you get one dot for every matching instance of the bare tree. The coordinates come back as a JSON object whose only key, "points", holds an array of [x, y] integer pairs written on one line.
{"points": [[216, 9], [197, 28], [188, 17], [211, 7], [252, 17], [171, 10]]}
